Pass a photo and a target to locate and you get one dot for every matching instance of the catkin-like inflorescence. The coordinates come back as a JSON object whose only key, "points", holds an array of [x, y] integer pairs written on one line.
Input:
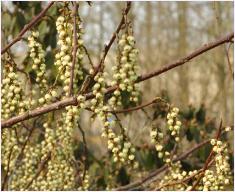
{"points": [[85, 182], [174, 174], [122, 150], [218, 178], [157, 139], [125, 73], [64, 57], [37, 54], [12, 94], [97, 103], [174, 124]]}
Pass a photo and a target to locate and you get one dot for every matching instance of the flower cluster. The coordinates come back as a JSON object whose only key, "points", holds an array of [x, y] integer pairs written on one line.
{"points": [[60, 171], [174, 124], [81, 100], [221, 176], [37, 54], [175, 173], [85, 182], [64, 57], [27, 168], [125, 72], [157, 138], [12, 94], [50, 96], [97, 103], [121, 148], [9, 149]]}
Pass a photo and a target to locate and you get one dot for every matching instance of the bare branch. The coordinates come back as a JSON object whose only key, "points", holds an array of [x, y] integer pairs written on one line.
{"points": [[228, 60], [88, 56], [27, 27], [85, 149], [155, 100], [189, 57]]}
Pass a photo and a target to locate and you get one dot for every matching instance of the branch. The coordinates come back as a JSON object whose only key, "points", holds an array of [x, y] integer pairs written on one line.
{"points": [[163, 168], [73, 101], [107, 47], [155, 100], [85, 150], [27, 27], [189, 57], [75, 47], [88, 56], [229, 62]]}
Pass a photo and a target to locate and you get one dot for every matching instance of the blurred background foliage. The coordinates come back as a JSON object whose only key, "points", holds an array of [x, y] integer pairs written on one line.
{"points": [[165, 31]]}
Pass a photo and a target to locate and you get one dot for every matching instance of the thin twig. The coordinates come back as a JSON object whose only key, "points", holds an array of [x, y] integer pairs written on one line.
{"points": [[75, 48], [88, 56], [85, 150], [228, 60], [27, 27], [155, 100], [73, 101]]}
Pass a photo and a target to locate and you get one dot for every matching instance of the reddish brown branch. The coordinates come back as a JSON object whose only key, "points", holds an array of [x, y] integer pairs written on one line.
{"points": [[75, 48], [73, 101], [88, 56], [189, 57], [155, 100], [27, 27], [85, 150]]}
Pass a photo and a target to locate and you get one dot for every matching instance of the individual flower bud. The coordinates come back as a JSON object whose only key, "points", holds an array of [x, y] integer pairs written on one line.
{"points": [[48, 97], [177, 139], [131, 157], [153, 134], [227, 128], [122, 42], [213, 141], [96, 86], [41, 100], [159, 147], [53, 93]]}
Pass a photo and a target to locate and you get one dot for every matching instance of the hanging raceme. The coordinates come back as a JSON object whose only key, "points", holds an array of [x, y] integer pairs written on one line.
{"points": [[125, 72], [173, 122]]}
